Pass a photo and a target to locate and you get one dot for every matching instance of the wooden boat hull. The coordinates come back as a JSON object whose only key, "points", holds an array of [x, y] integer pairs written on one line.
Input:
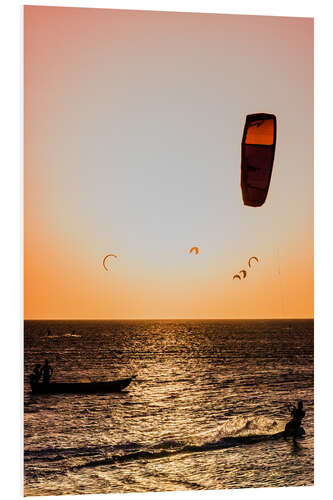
{"points": [[80, 387]]}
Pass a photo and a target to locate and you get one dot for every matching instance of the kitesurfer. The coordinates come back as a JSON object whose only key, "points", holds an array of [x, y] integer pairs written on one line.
{"points": [[47, 372], [293, 427]]}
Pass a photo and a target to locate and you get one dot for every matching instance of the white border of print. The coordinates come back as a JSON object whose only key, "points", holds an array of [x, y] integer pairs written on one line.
{"points": [[11, 248]]}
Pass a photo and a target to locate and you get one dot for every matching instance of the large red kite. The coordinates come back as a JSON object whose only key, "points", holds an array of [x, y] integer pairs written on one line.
{"points": [[258, 148]]}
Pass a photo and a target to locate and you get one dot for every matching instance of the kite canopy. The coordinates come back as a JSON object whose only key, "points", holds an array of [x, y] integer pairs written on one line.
{"points": [[254, 257], [258, 148], [105, 260]]}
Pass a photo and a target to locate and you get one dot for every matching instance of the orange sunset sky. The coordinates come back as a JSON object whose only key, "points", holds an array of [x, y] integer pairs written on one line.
{"points": [[132, 132]]}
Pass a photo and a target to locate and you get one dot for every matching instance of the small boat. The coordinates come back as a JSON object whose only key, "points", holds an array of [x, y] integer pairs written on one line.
{"points": [[80, 387]]}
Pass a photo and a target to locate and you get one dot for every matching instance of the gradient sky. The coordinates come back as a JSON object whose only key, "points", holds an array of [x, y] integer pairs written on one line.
{"points": [[133, 124]]}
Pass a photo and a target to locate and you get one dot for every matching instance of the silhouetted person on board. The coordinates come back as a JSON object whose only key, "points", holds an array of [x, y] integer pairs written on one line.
{"points": [[36, 374], [293, 427], [47, 372]]}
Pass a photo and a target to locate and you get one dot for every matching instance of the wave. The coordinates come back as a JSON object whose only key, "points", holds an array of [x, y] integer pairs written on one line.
{"points": [[234, 432], [187, 449], [84, 451]]}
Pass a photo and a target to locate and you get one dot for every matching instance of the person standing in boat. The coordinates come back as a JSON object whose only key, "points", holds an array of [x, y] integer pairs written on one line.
{"points": [[36, 374], [46, 371]]}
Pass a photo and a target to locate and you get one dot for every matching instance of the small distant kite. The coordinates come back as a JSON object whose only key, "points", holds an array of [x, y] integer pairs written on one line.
{"points": [[105, 259], [236, 276], [255, 258], [196, 249], [244, 273]]}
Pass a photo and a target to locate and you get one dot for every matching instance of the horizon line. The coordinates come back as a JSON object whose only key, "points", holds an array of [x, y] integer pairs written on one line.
{"points": [[167, 319]]}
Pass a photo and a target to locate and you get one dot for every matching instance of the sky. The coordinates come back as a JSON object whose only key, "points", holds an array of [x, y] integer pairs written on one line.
{"points": [[132, 130]]}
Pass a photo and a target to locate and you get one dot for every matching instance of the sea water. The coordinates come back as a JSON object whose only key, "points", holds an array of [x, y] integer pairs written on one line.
{"points": [[207, 397]]}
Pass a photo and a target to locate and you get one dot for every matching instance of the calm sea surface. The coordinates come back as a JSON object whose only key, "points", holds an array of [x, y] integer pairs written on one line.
{"points": [[201, 386]]}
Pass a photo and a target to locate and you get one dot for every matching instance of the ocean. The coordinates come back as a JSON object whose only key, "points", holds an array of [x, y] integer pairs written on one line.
{"points": [[207, 398]]}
